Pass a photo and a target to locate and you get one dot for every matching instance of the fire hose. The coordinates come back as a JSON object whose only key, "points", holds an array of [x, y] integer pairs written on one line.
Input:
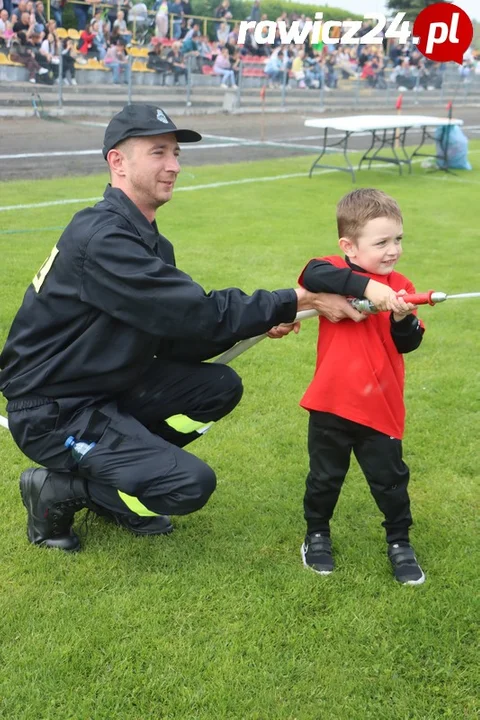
{"points": [[428, 298], [361, 304]]}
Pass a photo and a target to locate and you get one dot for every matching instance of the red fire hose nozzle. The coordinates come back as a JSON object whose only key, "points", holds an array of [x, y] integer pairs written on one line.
{"points": [[427, 298]]}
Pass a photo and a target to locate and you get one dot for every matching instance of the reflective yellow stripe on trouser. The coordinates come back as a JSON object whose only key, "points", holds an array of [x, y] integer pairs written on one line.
{"points": [[184, 424], [180, 423]]}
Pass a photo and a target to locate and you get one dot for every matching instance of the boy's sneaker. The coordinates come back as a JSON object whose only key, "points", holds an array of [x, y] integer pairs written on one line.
{"points": [[317, 553], [405, 565]]}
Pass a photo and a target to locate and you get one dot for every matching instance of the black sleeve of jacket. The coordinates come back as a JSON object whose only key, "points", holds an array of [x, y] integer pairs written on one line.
{"points": [[322, 276], [406, 334], [126, 279]]}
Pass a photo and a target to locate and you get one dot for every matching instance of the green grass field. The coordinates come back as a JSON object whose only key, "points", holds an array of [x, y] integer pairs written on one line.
{"points": [[221, 620]]}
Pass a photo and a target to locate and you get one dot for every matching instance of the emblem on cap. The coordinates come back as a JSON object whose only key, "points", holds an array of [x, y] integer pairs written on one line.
{"points": [[161, 116]]}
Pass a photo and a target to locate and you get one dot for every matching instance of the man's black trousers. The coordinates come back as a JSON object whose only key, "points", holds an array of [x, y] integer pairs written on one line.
{"points": [[138, 464], [331, 440]]}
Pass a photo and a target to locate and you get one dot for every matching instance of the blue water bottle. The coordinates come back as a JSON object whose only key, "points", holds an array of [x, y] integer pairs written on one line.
{"points": [[79, 449]]}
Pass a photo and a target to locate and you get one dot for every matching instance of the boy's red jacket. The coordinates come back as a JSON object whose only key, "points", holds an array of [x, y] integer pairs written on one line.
{"points": [[359, 373]]}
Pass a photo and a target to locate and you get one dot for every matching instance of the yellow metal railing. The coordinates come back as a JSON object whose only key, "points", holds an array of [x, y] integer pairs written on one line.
{"points": [[204, 19]]}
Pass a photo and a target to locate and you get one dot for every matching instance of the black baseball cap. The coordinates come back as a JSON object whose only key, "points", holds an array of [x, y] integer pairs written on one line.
{"points": [[140, 120]]}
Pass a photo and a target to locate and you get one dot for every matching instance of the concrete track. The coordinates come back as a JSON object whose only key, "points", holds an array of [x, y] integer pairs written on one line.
{"points": [[27, 145]]}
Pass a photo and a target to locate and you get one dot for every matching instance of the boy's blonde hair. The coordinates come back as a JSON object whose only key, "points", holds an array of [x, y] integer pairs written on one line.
{"points": [[359, 206]]}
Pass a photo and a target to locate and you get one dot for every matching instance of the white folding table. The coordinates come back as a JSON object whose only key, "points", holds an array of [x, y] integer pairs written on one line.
{"points": [[387, 132]]}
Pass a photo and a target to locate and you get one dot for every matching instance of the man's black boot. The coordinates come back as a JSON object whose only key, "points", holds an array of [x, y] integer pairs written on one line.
{"points": [[51, 500]]}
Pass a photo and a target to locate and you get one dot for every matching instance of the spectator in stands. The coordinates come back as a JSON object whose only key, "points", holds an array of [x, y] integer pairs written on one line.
{"points": [[40, 17], [175, 8], [368, 73], [414, 57], [344, 64], [190, 39], [4, 15], [235, 61], [222, 9], [314, 71], [264, 49], [69, 55], [161, 20], [8, 35], [51, 26], [19, 8], [331, 78], [121, 25], [24, 24], [87, 36], [378, 68], [117, 60], [223, 68], [3, 19], [103, 25], [186, 7], [155, 60], [404, 77], [114, 37], [222, 32], [177, 63], [190, 48], [233, 36], [6, 29], [298, 70], [81, 14], [99, 45], [273, 69], [114, 7], [49, 51], [435, 71], [250, 46], [396, 54], [184, 28], [139, 20], [204, 50], [23, 52], [255, 12], [56, 9]]}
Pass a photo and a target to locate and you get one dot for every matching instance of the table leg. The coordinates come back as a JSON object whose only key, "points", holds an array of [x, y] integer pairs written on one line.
{"points": [[365, 154], [324, 149], [343, 144]]}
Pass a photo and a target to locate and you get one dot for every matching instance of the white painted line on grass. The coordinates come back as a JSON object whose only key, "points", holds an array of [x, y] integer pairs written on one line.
{"points": [[190, 188], [58, 153], [3, 422], [68, 153], [50, 203]]}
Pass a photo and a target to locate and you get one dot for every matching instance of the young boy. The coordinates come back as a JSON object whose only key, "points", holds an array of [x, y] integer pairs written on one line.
{"points": [[355, 399]]}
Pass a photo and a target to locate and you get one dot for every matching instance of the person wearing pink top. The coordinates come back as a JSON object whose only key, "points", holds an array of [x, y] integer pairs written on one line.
{"points": [[223, 68]]}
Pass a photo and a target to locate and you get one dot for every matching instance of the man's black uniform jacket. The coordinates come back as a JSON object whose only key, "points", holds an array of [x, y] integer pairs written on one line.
{"points": [[109, 298]]}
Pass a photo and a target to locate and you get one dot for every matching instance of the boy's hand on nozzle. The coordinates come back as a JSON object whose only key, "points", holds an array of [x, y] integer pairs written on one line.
{"points": [[408, 308], [383, 297]]}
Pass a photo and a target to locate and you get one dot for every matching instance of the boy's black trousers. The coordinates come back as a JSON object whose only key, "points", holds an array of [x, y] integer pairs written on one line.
{"points": [[331, 440]]}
